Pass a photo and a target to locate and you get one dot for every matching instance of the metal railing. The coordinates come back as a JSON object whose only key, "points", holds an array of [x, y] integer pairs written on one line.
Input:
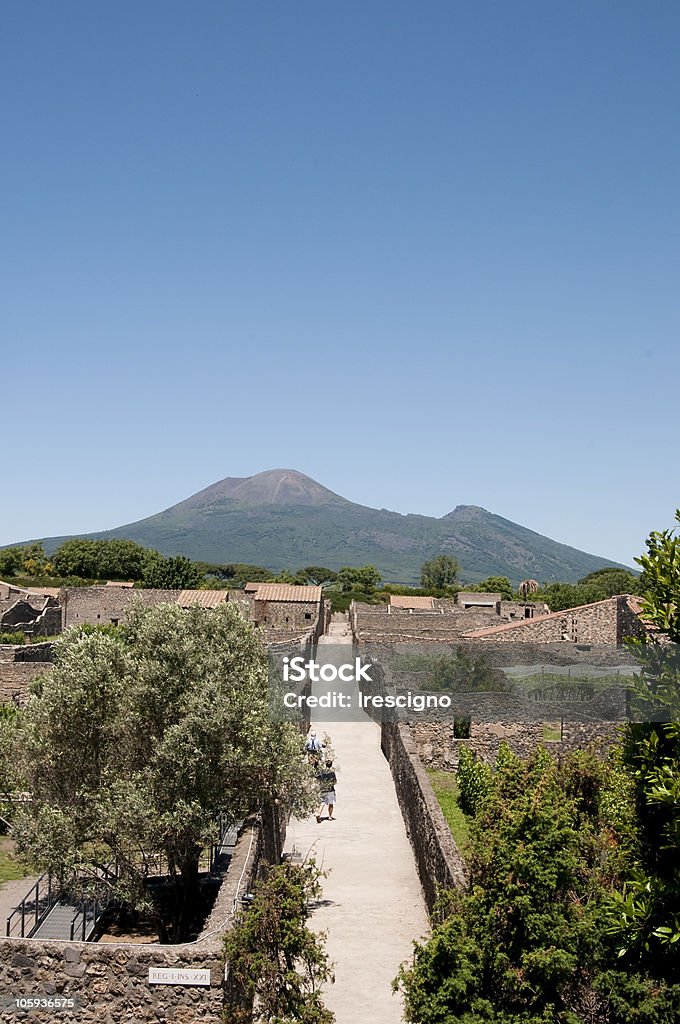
{"points": [[43, 896], [34, 908], [85, 919]]}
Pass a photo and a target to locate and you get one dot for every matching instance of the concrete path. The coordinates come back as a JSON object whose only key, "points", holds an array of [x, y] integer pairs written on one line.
{"points": [[11, 895], [373, 906]]}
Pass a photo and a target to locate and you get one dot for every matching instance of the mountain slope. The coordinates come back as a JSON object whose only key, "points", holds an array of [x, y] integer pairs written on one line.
{"points": [[284, 519]]}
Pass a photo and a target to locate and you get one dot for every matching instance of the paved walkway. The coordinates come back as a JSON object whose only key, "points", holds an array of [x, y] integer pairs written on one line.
{"points": [[11, 895], [373, 905]]}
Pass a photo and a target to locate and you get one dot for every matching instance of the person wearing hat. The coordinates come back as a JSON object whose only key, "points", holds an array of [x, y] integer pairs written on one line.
{"points": [[313, 744]]}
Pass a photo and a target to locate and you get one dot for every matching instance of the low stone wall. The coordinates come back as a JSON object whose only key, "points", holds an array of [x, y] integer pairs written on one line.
{"points": [[19, 665], [15, 679], [437, 747], [438, 859], [111, 979], [376, 624], [43, 652]]}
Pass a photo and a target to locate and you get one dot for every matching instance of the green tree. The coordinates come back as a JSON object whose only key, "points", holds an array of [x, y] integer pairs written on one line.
{"points": [[317, 575], [363, 579], [8, 725], [174, 573], [465, 672], [233, 575], [276, 964], [122, 560], [526, 943], [78, 557], [11, 562], [559, 596], [440, 572], [495, 585], [610, 581], [136, 742], [102, 559], [646, 912], [34, 560]]}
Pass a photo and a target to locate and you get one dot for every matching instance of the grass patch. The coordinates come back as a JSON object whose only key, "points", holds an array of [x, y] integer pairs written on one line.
{"points": [[445, 789], [552, 732], [10, 868]]}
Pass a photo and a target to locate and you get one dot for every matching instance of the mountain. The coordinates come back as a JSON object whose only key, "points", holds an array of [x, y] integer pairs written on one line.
{"points": [[284, 519]]}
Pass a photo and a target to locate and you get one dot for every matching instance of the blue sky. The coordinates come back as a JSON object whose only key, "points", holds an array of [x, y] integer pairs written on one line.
{"points": [[425, 253]]}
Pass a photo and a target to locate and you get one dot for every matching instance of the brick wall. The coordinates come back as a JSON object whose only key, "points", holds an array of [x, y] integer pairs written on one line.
{"points": [[19, 665], [15, 678], [373, 624], [294, 616]]}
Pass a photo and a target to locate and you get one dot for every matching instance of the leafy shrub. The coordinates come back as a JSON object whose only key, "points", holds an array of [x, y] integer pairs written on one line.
{"points": [[17, 638], [276, 964], [475, 781]]}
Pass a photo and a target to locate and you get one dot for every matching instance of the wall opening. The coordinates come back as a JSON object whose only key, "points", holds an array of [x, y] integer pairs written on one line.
{"points": [[461, 727]]}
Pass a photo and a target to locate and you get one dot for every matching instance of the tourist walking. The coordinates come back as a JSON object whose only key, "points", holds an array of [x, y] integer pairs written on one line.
{"points": [[327, 783], [313, 744]]}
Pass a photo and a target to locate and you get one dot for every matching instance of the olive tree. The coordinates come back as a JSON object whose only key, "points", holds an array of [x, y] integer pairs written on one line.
{"points": [[134, 744]]}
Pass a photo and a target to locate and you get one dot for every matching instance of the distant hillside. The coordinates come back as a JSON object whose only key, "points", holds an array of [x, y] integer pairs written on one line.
{"points": [[284, 519]]}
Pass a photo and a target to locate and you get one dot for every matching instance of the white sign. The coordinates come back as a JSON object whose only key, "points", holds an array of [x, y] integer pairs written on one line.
{"points": [[177, 976]]}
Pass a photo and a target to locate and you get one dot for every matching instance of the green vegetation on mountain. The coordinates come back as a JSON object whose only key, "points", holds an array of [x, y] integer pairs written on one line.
{"points": [[282, 518]]}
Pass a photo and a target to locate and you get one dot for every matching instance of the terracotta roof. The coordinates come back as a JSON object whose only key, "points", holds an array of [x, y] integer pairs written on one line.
{"points": [[286, 592], [39, 592], [251, 587], [634, 604], [118, 583], [404, 601], [204, 598]]}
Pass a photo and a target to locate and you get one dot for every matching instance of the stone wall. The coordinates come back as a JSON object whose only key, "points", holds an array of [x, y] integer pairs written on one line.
{"points": [[111, 979], [438, 859], [43, 652], [439, 748], [295, 616], [35, 617], [374, 624], [603, 622], [280, 620], [101, 606], [15, 678], [19, 665]]}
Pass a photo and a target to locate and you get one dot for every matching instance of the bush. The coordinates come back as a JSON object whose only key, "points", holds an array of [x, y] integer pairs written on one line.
{"points": [[475, 781], [276, 964], [17, 638]]}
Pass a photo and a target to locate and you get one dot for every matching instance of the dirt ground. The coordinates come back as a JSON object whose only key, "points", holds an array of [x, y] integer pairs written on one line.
{"points": [[143, 933]]}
